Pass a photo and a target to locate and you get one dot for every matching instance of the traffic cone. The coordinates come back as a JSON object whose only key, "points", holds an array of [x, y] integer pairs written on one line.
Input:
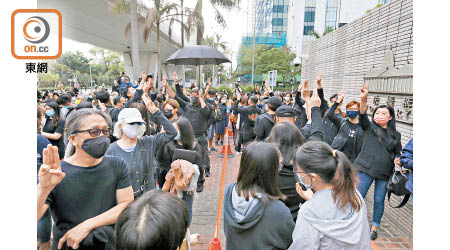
{"points": [[226, 149], [214, 244]]}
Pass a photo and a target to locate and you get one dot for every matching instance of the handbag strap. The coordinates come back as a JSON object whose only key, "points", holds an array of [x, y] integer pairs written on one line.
{"points": [[144, 153], [405, 200]]}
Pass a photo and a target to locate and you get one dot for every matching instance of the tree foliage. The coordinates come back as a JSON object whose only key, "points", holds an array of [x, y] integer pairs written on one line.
{"points": [[266, 59]]}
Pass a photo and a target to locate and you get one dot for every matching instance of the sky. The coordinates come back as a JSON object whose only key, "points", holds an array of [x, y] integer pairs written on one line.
{"points": [[236, 27]]}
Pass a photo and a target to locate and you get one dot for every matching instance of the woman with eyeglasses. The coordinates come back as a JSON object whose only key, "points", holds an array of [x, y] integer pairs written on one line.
{"points": [[88, 190], [350, 134], [334, 217], [139, 150], [53, 129]]}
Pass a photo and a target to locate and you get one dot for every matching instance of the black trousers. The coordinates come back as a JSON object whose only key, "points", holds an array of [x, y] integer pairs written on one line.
{"points": [[203, 142]]}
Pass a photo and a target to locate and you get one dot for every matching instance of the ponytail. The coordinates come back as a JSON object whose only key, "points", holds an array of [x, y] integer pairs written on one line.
{"points": [[344, 182], [334, 168]]}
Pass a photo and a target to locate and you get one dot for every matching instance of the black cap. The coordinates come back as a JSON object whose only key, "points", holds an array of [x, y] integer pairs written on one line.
{"points": [[285, 111], [274, 101]]}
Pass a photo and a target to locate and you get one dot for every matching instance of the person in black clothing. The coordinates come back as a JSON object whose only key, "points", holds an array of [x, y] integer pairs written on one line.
{"points": [[288, 138], [222, 119], [115, 87], [184, 140], [53, 129], [381, 148], [349, 137], [86, 192], [197, 113], [248, 115], [265, 122]]}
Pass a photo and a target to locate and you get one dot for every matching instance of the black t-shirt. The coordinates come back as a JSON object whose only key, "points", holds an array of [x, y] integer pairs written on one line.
{"points": [[59, 128], [350, 145], [85, 192]]}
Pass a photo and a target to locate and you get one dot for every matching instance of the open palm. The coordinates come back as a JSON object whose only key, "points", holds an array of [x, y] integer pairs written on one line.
{"points": [[50, 173]]}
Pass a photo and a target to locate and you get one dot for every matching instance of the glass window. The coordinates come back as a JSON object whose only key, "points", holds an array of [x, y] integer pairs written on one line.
{"points": [[307, 29], [310, 14]]}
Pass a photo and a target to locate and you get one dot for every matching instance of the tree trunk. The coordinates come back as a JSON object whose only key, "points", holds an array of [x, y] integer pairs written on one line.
{"points": [[159, 72], [134, 40], [182, 21]]}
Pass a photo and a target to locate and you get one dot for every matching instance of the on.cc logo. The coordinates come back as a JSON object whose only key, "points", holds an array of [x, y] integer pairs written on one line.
{"points": [[36, 29]]}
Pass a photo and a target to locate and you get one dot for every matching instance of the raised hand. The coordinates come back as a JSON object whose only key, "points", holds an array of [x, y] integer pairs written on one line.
{"points": [[143, 76], [365, 91], [164, 81], [149, 104], [175, 77], [209, 81], [50, 173], [315, 99], [102, 106], [341, 96], [319, 80], [305, 91], [300, 86]]}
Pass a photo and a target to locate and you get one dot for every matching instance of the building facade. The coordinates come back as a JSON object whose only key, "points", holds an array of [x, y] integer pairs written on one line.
{"points": [[376, 48], [271, 17], [306, 17]]}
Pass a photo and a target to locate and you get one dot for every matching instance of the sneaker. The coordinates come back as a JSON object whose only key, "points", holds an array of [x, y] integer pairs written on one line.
{"points": [[207, 173], [213, 149], [209, 152], [373, 235]]}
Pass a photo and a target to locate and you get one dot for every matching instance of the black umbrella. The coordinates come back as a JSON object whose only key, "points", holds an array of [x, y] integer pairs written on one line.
{"points": [[197, 55]]}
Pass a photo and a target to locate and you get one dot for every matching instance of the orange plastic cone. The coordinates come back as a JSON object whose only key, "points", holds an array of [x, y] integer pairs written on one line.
{"points": [[226, 149], [214, 244]]}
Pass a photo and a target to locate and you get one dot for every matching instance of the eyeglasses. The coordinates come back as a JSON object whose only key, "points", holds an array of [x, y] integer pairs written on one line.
{"points": [[94, 132], [136, 123]]}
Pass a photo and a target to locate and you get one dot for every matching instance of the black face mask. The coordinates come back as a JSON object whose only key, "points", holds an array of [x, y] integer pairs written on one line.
{"points": [[194, 100], [96, 147], [168, 113]]}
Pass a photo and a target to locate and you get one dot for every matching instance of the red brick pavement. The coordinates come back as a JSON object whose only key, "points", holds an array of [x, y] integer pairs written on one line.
{"points": [[205, 210]]}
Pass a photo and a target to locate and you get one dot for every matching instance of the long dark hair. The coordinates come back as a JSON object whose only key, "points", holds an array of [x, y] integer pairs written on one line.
{"points": [[287, 137], [186, 133], [258, 172], [391, 126], [334, 168], [55, 117]]}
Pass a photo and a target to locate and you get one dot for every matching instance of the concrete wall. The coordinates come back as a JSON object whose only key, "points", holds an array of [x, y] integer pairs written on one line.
{"points": [[344, 56]]}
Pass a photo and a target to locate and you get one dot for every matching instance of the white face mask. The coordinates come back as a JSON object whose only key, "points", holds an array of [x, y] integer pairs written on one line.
{"points": [[287, 98], [132, 131]]}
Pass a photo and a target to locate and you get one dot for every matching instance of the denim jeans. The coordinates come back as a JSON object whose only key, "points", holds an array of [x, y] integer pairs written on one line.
{"points": [[44, 227], [365, 181], [188, 199]]}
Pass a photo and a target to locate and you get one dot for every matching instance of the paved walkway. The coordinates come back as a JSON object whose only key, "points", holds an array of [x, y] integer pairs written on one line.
{"points": [[205, 210]]}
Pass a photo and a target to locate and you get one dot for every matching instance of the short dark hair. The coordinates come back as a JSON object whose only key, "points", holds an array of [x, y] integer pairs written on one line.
{"points": [[63, 99], [258, 172], [157, 220], [102, 96], [116, 99]]}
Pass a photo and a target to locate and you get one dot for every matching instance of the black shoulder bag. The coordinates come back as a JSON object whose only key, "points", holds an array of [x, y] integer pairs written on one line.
{"points": [[144, 186], [396, 185]]}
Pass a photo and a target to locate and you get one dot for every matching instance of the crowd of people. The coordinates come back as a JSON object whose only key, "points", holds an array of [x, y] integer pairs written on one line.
{"points": [[121, 169]]}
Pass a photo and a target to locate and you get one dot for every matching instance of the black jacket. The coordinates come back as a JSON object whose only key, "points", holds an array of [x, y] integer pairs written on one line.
{"points": [[263, 125], [248, 124], [197, 115], [344, 131], [301, 112], [286, 183], [377, 153], [314, 131]]}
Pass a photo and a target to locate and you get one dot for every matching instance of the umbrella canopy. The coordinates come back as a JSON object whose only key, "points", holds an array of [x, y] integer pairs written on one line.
{"points": [[197, 55]]}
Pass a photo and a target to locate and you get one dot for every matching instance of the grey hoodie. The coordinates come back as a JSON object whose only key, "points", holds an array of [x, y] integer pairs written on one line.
{"points": [[254, 225], [321, 224]]}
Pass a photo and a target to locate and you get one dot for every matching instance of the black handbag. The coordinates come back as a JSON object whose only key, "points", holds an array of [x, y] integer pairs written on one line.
{"points": [[397, 185]]}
